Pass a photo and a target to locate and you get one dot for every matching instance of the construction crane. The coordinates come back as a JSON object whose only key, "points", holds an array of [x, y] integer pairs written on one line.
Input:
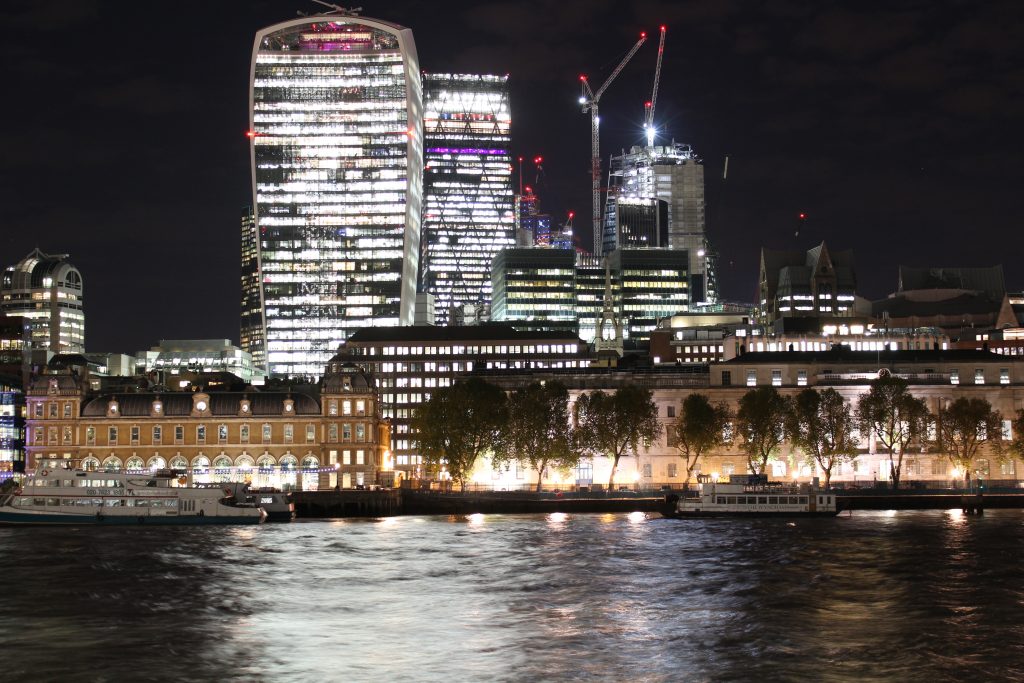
{"points": [[589, 100], [649, 114]]}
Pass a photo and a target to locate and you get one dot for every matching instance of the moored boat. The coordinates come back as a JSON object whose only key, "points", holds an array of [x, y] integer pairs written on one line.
{"points": [[69, 496], [753, 496]]}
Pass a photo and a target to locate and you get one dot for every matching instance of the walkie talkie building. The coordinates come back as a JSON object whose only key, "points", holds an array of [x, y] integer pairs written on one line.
{"points": [[337, 163]]}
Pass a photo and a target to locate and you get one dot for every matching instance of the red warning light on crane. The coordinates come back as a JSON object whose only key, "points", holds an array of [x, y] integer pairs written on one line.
{"points": [[802, 216], [251, 134], [643, 34], [538, 160], [572, 214], [663, 28]]}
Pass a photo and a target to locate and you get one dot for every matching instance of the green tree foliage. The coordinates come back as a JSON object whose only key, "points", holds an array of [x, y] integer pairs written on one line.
{"points": [[761, 419], [966, 426], [896, 418], [617, 424], [537, 433], [1017, 445], [821, 425], [459, 424], [700, 429]]}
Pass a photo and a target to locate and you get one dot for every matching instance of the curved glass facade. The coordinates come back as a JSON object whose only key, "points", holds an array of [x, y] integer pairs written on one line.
{"points": [[336, 137]]}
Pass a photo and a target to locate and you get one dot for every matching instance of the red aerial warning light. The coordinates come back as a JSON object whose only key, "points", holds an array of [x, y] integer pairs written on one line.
{"points": [[520, 160], [643, 34], [538, 160], [647, 104], [802, 216], [529, 190], [662, 27], [572, 214], [582, 77], [251, 134]]}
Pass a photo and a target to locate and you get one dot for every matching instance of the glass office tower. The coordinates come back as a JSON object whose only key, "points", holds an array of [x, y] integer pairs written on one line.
{"points": [[467, 188], [336, 148]]}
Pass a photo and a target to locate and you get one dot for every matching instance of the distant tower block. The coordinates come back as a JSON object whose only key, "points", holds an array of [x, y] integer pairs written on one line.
{"points": [[46, 291]]}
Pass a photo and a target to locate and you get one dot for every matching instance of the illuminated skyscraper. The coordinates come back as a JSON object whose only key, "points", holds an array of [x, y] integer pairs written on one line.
{"points": [[467, 187], [251, 337], [336, 145], [657, 194], [46, 290]]}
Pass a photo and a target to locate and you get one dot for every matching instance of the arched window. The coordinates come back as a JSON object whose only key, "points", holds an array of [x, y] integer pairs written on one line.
{"points": [[200, 462], [157, 462], [112, 464], [310, 462], [221, 462], [135, 463], [179, 463], [266, 462], [244, 461], [289, 462], [90, 464]]}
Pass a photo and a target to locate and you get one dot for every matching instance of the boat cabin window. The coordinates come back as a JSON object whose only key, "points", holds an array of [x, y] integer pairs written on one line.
{"points": [[762, 500]]}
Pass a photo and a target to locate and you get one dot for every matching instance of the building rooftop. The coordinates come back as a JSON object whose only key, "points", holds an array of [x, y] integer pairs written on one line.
{"points": [[221, 403], [431, 333], [844, 354]]}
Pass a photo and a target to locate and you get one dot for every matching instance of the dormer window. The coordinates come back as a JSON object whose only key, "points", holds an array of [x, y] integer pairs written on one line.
{"points": [[244, 407], [53, 386], [289, 407], [158, 407], [113, 409]]}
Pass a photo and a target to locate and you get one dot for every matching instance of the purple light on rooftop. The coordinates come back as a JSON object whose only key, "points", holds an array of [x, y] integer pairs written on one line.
{"points": [[464, 150]]}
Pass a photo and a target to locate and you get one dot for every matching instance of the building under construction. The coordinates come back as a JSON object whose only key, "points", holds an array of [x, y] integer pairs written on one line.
{"points": [[656, 199]]}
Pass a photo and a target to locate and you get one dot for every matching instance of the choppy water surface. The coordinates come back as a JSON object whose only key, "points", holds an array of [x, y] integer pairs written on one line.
{"points": [[909, 596]]}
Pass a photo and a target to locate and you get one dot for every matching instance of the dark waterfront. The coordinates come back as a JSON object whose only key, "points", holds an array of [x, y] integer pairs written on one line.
{"points": [[908, 596]]}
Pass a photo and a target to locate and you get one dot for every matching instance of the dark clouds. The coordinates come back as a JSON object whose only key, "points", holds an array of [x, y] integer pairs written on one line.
{"points": [[894, 125]]}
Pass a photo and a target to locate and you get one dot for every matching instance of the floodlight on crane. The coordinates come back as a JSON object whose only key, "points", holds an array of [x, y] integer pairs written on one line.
{"points": [[589, 100]]}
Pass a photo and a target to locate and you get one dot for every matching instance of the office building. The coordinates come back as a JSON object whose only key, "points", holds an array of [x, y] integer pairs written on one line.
{"points": [[251, 331], [467, 188], [556, 289], [337, 162], [409, 363], [46, 291], [535, 289], [175, 356], [656, 194], [817, 285]]}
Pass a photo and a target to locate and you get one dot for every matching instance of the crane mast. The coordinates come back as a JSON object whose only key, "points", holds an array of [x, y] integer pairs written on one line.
{"points": [[649, 118], [589, 101]]}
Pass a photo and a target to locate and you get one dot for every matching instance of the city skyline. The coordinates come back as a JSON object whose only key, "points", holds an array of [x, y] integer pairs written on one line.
{"points": [[894, 143]]}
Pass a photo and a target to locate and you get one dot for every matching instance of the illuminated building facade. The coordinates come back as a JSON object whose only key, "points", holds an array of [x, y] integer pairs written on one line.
{"points": [[46, 291], [315, 440], [818, 283], [409, 363], [662, 191], [336, 150], [251, 337], [467, 187], [556, 289], [535, 289], [175, 356]]}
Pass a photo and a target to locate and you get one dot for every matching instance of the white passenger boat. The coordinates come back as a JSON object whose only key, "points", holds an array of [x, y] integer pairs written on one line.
{"points": [[753, 495], [69, 496]]}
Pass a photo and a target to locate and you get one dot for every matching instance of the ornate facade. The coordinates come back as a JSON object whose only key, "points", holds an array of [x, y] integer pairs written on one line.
{"points": [[281, 439]]}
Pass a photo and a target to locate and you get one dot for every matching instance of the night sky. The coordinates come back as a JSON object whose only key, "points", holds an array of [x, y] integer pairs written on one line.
{"points": [[895, 126]]}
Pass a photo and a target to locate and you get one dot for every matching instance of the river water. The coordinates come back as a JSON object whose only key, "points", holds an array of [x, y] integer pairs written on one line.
{"points": [[908, 596]]}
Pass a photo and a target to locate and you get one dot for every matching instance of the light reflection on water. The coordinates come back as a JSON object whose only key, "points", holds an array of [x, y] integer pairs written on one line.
{"points": [[912, 596]]}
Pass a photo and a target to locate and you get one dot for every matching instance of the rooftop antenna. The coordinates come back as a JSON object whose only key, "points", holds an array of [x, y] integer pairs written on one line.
{"points": [[347, 11]]}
